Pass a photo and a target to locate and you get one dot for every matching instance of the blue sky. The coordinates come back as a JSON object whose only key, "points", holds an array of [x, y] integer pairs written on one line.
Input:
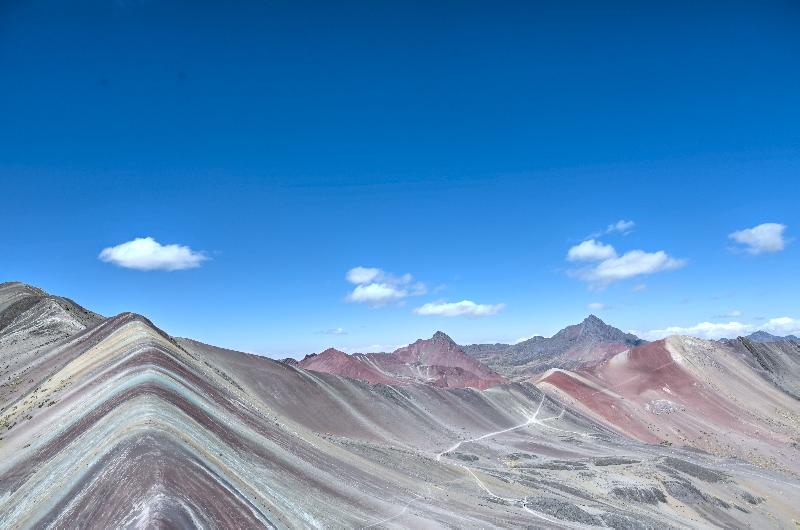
{"points": [[470, 146]]}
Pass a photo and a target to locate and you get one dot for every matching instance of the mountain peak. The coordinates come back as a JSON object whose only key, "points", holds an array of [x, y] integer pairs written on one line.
{"points": [[441, 336], [593, 319], [592, 329], [763, 336], [332, 352]]}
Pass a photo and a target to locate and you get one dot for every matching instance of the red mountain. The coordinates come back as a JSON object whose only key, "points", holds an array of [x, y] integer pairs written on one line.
{"points": [[684, 391], [437, 361]]}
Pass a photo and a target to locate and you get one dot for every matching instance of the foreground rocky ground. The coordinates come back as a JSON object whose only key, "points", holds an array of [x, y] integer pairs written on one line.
{"points": [[109, 422]]}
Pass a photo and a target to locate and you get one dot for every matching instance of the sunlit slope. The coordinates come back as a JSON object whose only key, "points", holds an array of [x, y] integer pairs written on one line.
{"points": [[115, 424], [691, 392]]}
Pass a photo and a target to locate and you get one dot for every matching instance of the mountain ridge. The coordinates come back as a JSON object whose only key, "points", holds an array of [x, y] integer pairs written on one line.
{"points": [[438, 361], [118, 424], [585, 343]]}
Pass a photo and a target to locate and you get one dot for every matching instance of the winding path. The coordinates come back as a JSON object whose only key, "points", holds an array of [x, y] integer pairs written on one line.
{"points": [[532, 420]]}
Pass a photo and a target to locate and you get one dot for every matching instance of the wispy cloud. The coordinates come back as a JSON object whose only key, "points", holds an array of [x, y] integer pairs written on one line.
{"points": [[334, 331], [761, 239], [147, 254], [377, 288], [455, 309], [734, 313], [622, 226], [596, 306]]}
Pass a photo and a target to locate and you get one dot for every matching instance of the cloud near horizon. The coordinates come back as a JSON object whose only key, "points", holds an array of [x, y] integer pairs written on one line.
{"points": [[377, 288], [334, 331], [611, 267], [455, 309], [762, 239], [718, 330], [147, 254]]}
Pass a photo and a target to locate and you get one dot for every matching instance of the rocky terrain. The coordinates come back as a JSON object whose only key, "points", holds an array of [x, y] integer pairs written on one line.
{"points": [[583, 344], [690, 392], [437, 361], [776, 361], [110, 422], [764, 337]]}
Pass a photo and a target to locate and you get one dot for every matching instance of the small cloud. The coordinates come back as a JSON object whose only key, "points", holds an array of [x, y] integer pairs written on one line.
{"points": [[622, 226], [334, 331], [377, 288], [591, 250], [147, 254], [761, 239], [359, 275], [377, 294], [639, 287], [462, 308], [596, 306]]}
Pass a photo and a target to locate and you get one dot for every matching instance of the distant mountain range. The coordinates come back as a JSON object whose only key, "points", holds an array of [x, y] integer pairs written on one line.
{"points": [[441, 362], [438, 361], [764, 337]]}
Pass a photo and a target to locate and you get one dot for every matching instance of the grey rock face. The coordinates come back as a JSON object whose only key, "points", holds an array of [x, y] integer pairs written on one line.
{"points": [[776, 361], [538, 353], [764, 337]]}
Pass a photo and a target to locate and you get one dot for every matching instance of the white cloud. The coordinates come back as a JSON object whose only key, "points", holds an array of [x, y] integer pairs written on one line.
{"points": [[622, 226], [782, 326], [735, 313], [717, 330], [147, 254], [639, 287], [612, 267], [378, 288], [634, 263], [764, 238], [591, 250], [359, 275], [596, 306], [703, 330], [462, 308], [377, 294]]}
